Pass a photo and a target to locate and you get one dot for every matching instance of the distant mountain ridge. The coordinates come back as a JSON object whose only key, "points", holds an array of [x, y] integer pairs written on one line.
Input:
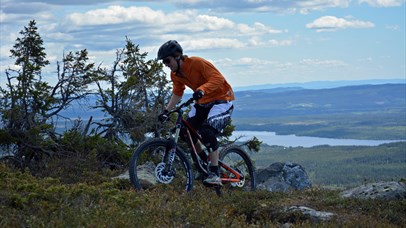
{"points": [[294, 101], [321, 84]]}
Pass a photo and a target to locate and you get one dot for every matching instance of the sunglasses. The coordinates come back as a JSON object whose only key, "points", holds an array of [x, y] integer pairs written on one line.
{"points": [[166, 60]]}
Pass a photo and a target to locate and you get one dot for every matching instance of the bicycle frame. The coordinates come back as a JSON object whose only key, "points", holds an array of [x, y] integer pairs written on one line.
{"points": [[188, 131]]}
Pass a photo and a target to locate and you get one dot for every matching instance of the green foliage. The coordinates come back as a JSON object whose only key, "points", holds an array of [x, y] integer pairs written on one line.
{"points": [[29, 105], [6, 138], [22, 97], [254, 144], [29, 52], [30, 108], [80, 157], [27, 201]]}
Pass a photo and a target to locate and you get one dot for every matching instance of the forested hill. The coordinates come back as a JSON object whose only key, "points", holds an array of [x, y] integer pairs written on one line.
{"points": [[296, 101], [355, 112]]}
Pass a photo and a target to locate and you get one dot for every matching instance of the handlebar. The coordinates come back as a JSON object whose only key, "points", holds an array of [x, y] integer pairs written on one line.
{"points": [[165, 116]]}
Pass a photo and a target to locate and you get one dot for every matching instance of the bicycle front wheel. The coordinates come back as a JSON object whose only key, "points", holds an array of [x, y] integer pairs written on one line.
{"points": [[149, 167], [239, 160]]}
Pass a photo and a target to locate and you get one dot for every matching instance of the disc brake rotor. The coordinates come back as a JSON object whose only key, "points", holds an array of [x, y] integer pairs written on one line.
{"points": [[161, 176]]}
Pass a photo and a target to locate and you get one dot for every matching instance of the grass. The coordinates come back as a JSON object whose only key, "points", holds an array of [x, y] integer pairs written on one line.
{"points": [[27, 201]]}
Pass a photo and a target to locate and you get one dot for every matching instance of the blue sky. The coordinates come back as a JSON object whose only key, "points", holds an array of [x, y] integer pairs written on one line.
{"points": [[252, 42]]}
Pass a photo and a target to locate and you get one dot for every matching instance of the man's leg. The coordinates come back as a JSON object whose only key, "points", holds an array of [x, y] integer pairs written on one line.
{"points": [[214, 158], [199, 150]]}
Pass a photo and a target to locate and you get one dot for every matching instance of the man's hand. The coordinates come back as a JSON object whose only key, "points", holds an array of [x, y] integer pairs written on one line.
{"points": [[163, 116], [198, 94]]}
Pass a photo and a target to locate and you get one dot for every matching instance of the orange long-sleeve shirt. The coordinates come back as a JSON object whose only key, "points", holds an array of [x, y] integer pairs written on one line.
{"points": [[200, 74]]}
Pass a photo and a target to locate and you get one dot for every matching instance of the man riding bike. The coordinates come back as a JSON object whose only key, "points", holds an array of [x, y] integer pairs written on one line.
{"points": [[213, 107]]}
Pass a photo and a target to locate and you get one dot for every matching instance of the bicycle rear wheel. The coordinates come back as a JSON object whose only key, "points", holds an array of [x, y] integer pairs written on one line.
{"points": [[239, 160], [149, 169]]}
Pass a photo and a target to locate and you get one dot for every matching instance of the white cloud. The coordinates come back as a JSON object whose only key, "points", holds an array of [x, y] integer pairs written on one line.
{"points": [[393, 27], [323, 63], [277, 43], [253, 63], [9, 18], [212, 31], [211, 43], [60, 36], [117, 15], [257, 42], [257, 29], [213, 22], [383, 3], [311, 5], [331, 23], [286, 6], [183, 21]]}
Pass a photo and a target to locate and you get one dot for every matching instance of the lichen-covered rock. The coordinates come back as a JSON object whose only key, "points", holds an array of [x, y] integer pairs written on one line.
{"points": [[381, 190]]}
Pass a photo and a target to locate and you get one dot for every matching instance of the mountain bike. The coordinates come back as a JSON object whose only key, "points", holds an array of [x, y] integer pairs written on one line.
{"points": [[163, 161]]}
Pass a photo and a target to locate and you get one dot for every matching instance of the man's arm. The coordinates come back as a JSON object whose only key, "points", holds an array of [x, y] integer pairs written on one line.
{"points": [[213, 76], [173, 101]]}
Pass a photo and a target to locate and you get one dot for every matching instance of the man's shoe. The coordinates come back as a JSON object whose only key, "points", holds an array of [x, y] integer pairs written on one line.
{"points": [[212, 180]]}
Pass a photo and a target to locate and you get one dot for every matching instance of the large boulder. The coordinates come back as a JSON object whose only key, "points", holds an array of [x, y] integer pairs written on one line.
{"points": [[381, 190], [282, 177]]}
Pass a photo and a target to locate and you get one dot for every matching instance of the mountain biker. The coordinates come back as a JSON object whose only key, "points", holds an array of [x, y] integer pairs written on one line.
{"points": [[213, 99]]}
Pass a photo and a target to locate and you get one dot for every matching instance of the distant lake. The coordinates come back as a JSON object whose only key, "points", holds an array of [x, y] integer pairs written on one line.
{"points": [[271, 138]]}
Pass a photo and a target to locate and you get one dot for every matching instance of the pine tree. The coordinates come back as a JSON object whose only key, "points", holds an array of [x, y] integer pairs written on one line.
{"points": [[30, 104], [136, 92]]}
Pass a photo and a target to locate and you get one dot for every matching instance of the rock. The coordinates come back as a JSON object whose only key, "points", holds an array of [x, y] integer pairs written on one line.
{"points": [[125, 175], [381, 190], [313, 215], [281, 177], [145, 172]]}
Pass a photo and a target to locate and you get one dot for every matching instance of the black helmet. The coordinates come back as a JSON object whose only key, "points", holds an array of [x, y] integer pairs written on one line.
{"points": [[169, 49]]}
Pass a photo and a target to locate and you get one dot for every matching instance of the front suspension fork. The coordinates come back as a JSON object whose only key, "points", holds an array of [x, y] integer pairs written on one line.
{"points": [[170, 152]]}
